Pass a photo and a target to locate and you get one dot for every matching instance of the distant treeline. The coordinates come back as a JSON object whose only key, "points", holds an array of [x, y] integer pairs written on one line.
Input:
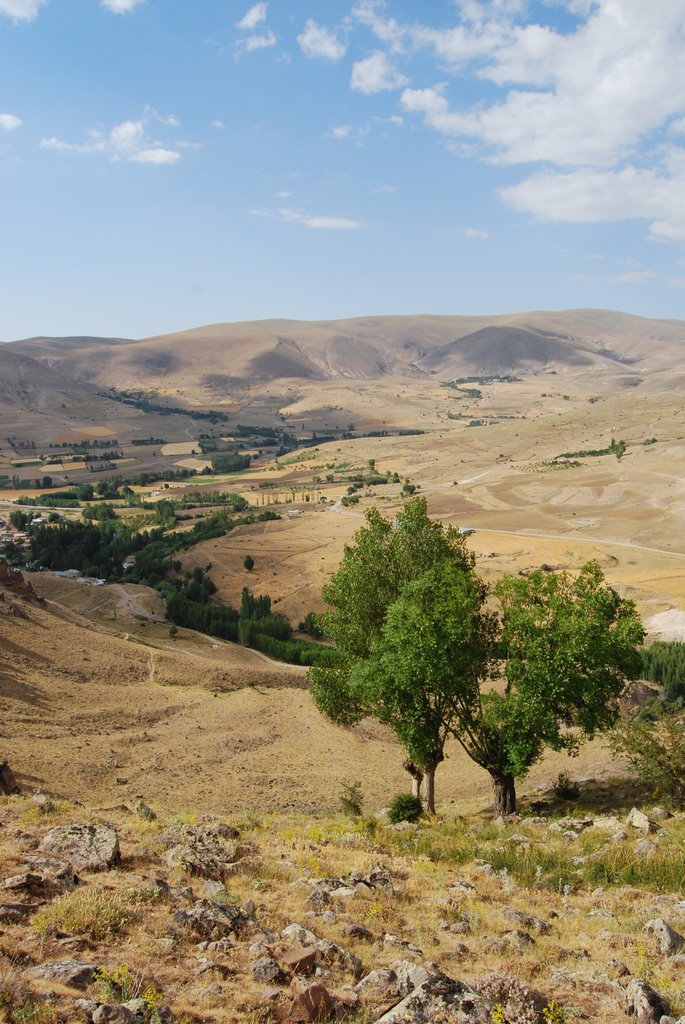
{"points": [[665, 663], [137, 400]]}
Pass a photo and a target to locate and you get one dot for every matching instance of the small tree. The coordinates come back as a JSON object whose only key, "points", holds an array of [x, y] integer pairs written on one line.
{"points": [[248, 562], [384, 558]]}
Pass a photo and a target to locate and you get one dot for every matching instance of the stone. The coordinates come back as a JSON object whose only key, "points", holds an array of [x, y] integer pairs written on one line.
{"points": [[439, 999], [87, 1006], [204, 850], [73, 973], [645, 848], [86, 847], [300, 961], [58, 874], [615, 969], [529, 921], [357, 931], [409, 976], [302, 936], [8, 783], [310, 1004], [268, 971], [637, 819], [207, 919], [113, 1013], [378, 985], [669, 940], [642, 1001], [518, 940], [13, 913]]}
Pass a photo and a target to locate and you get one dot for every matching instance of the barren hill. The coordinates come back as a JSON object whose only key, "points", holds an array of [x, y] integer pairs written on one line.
{"points": [[373, 347]]}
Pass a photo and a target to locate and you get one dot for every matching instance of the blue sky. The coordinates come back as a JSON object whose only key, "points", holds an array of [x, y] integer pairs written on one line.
{"points": [[169, 163]]}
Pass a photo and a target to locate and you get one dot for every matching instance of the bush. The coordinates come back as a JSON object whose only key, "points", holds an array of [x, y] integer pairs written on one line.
{"points": [[655, 751], [565, 788], [86, 912], [352, 799], [248, 562], [405, 807]]}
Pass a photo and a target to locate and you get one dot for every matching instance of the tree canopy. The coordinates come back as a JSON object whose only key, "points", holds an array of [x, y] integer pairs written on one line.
{"points": [[426, 648]]}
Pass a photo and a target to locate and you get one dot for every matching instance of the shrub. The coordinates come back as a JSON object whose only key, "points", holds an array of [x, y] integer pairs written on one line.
{"points": [[248, 562], [656, 751], [405, 807], [565, 788], [85, 912], [352, 799]]}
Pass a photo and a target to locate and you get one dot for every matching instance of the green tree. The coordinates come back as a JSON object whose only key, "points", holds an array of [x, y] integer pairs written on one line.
{"points": [[385, 557], [567, 646], [248, 562], [655, 750], [423, 674]]}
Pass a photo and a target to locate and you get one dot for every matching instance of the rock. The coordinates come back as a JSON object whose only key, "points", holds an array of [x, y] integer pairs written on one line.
{"points": [[13, 913], [378, 985], [319, 898], [113, 1013], [87, 847], [331, 953], [616, 969], [68, 972], [87, 1006], [637, 819], [300, 961], [645, 848], [268, 971], [209, 920], [58, 875], [642, 1001], [296, 933], [144, 810], [344, 892], [439, 999], [409, 976], [204, 850], [668, 939], [357, 931], [518, 940], [534, 924], [310, 1004], [394, 941], [660, 814], [8, 784]]}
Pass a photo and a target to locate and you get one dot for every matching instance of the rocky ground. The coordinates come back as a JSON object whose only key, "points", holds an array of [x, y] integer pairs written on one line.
{"points": [[131, 914]]}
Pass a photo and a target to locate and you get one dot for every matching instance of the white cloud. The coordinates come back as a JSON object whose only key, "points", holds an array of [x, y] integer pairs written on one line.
{"points": [[251, 43], [253, 17], [655, 194], [586, 97], [21, 10], [218, 124], [325, 223], [9, 122], [376, 74], [340, 131], [120, 6], [155, 155], [318, 41], [125, 141], [476, 234], [389, 31]]}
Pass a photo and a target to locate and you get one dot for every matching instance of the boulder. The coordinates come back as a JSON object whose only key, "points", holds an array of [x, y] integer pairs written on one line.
{"points": [[310, 1003], [529, 921], [669, 940], [644, 1003], [113, 1013], [87, 847], [301, 960], [645, 848], [8, 784], [637, 819], [207, 919], [268, 972], [439, 999], [204, 850], [73, 973]]}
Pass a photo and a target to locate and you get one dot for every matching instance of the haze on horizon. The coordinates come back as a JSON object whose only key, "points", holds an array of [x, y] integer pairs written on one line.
{"points": [[165, 165]]}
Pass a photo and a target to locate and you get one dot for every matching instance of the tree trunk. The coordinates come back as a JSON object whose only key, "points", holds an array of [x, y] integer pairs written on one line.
{"points": [[504, 794], [416, 778], [429, 776]]}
